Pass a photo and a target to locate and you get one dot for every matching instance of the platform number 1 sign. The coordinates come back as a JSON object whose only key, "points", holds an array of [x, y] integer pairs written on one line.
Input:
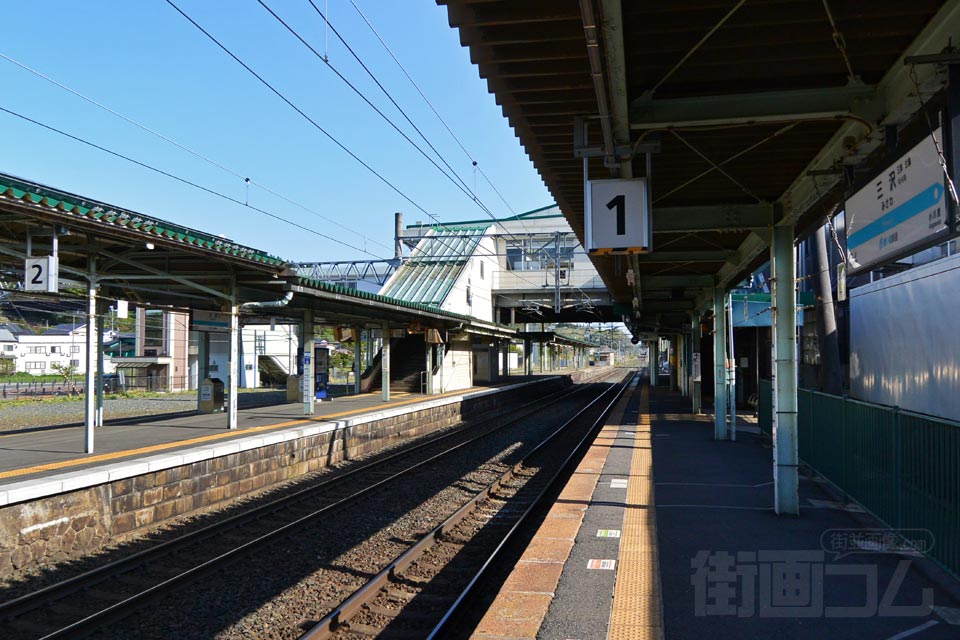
{"points": [[618, 218], [41, 274]]}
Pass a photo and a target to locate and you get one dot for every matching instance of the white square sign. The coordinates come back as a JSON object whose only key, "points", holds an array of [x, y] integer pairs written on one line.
{"points": [[41, 274], [618, 216]]}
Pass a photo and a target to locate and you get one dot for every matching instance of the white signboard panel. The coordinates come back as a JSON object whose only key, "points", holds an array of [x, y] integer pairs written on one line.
{"points": [[209, 320], [618, 217], [903, 208], [41, 274], [695, 368]]}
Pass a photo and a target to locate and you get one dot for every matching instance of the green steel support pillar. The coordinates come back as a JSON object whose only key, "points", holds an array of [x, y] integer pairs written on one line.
{"points": [[654, 359], [719, 367], [785, 454], [695, 371]]}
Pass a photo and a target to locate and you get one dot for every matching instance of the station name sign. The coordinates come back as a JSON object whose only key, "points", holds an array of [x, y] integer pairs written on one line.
{"points": [[216, 321], [902, 209]]}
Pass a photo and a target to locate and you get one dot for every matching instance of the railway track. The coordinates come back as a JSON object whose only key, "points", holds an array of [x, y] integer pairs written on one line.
{"points": [[420, 591], [94, 600]]}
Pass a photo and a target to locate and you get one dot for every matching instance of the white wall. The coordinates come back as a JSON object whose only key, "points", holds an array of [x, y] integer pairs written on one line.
{"points": [[478, 274], [39, 353], [457, 367]]}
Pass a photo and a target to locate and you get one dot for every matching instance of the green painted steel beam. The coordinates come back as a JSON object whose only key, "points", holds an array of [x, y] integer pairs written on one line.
{"points": [[771, 106], [742, 217], [713, 255], [669, 282]]}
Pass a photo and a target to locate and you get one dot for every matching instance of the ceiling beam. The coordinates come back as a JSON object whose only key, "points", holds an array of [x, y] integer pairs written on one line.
{"points": [[712, 218], [775, 106], [713, 255], [853, 142], [671, 282]]}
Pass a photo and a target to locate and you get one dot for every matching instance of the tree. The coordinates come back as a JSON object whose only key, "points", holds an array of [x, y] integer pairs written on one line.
{"points": [[67, 371]]}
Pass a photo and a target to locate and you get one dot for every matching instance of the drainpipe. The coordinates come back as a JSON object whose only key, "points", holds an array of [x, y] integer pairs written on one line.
{"points": [[589, 18], [271, 304]]}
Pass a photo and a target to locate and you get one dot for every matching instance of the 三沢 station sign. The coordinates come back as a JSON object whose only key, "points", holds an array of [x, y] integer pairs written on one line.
{"points": [[902, 209]]}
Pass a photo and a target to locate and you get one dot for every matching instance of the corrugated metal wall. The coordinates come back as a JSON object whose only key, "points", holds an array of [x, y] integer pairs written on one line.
{"points": [[904, 340]]}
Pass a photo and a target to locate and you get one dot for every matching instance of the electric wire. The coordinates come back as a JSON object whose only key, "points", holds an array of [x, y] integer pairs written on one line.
{"points": [[192, 152], [432, 108], [302, 113], [461, 185], [180, 179], [471, 193], [285, 99]]}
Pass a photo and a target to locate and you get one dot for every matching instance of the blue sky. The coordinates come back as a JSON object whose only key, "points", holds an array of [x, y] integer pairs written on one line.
{"points": [[144, 60]]}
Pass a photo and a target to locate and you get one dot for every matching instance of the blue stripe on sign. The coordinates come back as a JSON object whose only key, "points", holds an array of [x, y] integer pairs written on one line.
{"points": [[915, 205]]}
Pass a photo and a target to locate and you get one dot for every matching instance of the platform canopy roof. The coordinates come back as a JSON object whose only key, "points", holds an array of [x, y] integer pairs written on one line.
{"points": [[147, 260], [749, 109]]}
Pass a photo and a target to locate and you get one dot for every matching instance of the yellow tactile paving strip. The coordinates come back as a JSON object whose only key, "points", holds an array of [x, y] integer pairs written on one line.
{"points": [[127, 453], [636, 612], [523, 601]]}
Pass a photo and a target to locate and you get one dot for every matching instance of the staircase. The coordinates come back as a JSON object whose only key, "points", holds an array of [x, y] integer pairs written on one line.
{"points": [[407, 362], [273, 370]]}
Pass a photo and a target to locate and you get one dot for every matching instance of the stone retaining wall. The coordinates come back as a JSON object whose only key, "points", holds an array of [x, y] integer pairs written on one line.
{"points": [[76, 523]]}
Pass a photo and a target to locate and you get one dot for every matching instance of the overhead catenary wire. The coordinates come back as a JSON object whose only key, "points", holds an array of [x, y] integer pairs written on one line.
{"points": [[373, 77], [458, 182], [181, 179], [247, 181], [303, 114], [460, 185], [474, 163]]}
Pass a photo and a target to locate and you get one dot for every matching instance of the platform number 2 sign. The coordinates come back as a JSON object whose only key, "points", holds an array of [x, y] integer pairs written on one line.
{"points": [[41, 274], [618, 217]]}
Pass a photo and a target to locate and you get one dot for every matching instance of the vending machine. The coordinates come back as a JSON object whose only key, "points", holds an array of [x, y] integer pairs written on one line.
{"points": [[321, 371]]}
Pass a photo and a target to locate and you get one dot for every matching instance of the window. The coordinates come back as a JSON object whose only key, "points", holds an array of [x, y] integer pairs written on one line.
{"points": [[74, 363], [35, 350], [153, 330], [54, 349], [75, 349], [33, 366], [8, 347]]}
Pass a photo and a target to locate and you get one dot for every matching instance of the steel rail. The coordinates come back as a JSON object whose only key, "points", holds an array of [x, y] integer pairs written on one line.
{"points": [[569, 462], [333, 621], [18, 607]]}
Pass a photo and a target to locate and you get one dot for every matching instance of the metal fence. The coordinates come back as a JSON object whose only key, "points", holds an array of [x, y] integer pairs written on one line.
{"points": [[901, 466], [76, 386]]}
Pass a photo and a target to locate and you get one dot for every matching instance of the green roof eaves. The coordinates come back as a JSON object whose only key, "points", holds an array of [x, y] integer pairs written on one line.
{"points": [[108, 214]]}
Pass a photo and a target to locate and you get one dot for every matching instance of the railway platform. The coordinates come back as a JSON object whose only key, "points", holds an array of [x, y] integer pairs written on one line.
{"points": [[38, 453], [56, 501], [662, 532]]}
